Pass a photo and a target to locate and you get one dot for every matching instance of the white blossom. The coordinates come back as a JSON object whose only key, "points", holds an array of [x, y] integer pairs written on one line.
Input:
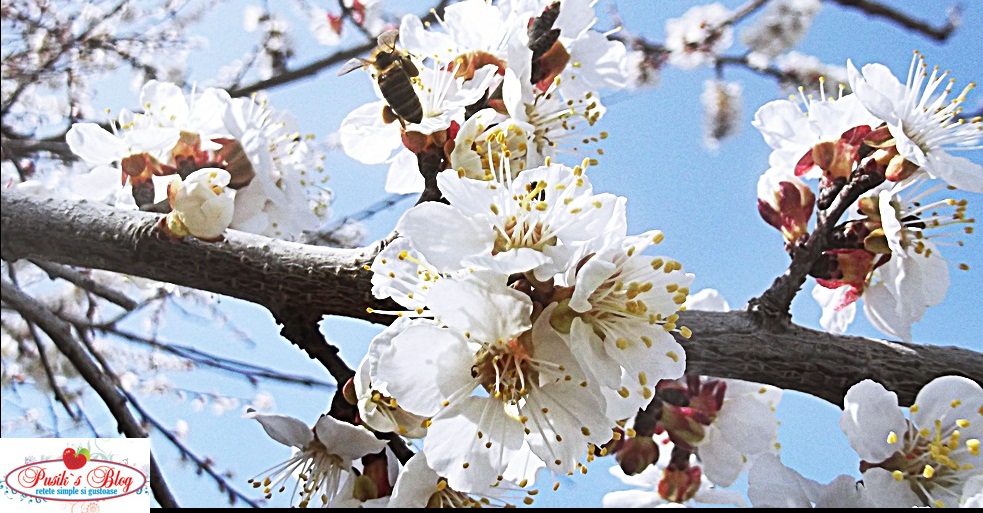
{"points": [[923, 120], [322, 459], [699, 35], [201, 204], [923, 460]]}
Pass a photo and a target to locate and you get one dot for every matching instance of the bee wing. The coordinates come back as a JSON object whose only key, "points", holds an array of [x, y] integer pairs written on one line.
{"points": [[388, 38], [353, 65]]}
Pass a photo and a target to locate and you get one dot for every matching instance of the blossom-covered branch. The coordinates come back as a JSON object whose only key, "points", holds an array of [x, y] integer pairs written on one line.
{"points": [[285, 276], [312, 69]]}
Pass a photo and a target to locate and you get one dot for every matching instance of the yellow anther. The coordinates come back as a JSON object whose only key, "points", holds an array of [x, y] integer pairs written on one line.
{"points": [[892, 438]]}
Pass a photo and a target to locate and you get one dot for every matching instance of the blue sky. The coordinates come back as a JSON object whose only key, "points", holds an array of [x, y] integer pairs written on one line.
{"points": [[704, 201]]}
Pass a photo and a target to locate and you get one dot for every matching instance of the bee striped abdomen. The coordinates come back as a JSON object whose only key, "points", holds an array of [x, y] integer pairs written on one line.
{"points": [[401, 95]]}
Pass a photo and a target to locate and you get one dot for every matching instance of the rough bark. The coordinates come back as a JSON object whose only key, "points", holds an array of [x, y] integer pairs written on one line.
{"points": [[301, 283]]}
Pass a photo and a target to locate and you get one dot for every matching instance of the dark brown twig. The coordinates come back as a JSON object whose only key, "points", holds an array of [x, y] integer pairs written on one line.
{"points": [[875, 9], [86, 282], [772, 306], [319, 65]]}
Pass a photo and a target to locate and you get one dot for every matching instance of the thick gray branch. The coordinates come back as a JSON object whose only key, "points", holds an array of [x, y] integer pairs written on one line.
{"points": [[298, 281], [284, 277], [734, 345]]}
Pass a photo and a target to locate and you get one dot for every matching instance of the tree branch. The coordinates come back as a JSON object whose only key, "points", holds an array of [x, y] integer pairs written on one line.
{"points": [[875, 9], [157, 484], [86, 282], [773, 305], [311, 281], [60, 333], [319, 65], [734, 345]]}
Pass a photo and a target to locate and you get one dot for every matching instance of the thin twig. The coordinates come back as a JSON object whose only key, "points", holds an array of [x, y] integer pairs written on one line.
{"points": [[774, 303], [219, 362], [875, 9], [43, 357], [159, 486], [49, 373], [744, 11], [86, 282], [203, 464], [319, 65], [61, 334]]}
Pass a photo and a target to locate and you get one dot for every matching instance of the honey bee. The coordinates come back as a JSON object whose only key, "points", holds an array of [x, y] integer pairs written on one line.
{"points": [[393, 71]]}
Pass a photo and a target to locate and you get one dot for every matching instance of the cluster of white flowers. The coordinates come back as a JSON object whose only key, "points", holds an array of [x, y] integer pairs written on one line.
{"points": [[532, 332], [531, 322], [198, 151], [897, 133], [930, 459], [783, 24], [531, 70]]}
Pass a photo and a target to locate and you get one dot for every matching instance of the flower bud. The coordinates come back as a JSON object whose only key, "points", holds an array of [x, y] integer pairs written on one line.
{"points": [[786, 204], [637, 454], [680, 485], [840, 267], [685, 426], [201, 205]]}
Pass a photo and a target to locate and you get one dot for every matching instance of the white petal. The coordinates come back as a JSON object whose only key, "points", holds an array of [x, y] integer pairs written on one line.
{"points": [[870, 414], [833, 320], [417, 482], [590, 276], [165, 100], [722, 462], [589, 349], [947, 399], [424, 366], [366, 137], [95, 144], [773, 485], [881, 309], [779, 122], [843, 492], [631, 499], [346, 440], [958, 172], [404, 174], [444, 235], [490, 311], [420, 41], [878, 89], [884, 491], [471, 197], [452, 441], [972, 493], [99, 185], [286, 430]]}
